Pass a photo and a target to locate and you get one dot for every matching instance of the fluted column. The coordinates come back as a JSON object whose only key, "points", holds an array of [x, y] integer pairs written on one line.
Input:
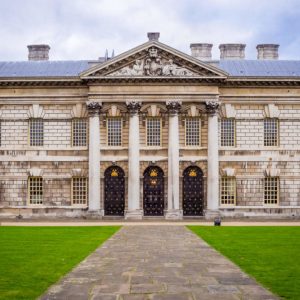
{"points": [[94, 155], [134, 210], [212, 159], [173, 161]]}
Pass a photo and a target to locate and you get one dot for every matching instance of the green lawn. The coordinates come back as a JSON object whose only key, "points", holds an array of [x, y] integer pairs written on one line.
{"points": [[33, 258], [270, 254]]}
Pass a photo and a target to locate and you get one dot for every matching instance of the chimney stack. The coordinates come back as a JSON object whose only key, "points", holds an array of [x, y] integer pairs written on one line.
{"points": [[232, 51], [267, 51], [38, 52], [153, 36], [201, 51]]}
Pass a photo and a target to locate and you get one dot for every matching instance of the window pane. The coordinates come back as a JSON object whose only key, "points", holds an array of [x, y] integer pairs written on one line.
{"points": [[192, 132], [271, 190], [270, 132], [36, 132], [114, 132], [153, 132], [79, 127], [35, 190], [228, 190], [79, 190], [228, 132]]}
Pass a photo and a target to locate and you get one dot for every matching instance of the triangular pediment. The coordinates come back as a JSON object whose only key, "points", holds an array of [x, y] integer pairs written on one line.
{"points": [[153, 60]]}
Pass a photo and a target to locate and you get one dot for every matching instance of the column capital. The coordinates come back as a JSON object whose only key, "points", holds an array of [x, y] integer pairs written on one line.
{"points": [[133, 106], [212, 107], [173, 106], [93, 108]]}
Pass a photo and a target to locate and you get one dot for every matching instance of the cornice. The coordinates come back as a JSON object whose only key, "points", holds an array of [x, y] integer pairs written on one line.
{"points": [[85, 82], [41, 81]]}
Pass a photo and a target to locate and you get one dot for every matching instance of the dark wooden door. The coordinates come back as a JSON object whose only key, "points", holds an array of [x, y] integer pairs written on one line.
{"points": [[114, 191], [193, 191], [153, 191]]}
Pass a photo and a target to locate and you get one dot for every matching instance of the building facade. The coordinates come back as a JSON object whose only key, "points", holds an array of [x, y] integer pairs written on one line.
{"points": [[152, 132]]}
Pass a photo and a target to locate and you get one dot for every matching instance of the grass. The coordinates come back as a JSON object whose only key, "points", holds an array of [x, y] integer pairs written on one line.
{"points": [[33, 258], [270, 254]]}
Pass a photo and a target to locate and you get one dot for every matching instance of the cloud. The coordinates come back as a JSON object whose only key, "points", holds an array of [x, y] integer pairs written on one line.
{"points": [[84, 29]]}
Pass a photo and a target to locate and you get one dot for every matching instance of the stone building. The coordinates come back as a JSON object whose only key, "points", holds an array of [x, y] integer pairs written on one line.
{"points": [[151, 132]]}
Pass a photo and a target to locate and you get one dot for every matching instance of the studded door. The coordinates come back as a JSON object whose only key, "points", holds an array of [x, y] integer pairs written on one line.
{"points": [[114, 191], [153, 191], [193, 191]]}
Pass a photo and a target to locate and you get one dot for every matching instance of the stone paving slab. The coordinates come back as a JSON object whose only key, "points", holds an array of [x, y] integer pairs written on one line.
{"points": [[156, 263]]}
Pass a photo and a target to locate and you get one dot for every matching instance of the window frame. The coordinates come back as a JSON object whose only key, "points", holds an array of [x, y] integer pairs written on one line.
{"points": [[270, 191], [72, 131], [277, 132], [185, 132], [233, 180], [160, 136], [29, 199], [121, 132], [30, 137], [86, 191], [234, 132]]}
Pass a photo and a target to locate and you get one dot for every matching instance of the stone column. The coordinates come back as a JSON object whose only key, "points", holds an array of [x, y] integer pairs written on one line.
{"points": [[94, 156], [212, 159], [173, 211], [134, 210]]}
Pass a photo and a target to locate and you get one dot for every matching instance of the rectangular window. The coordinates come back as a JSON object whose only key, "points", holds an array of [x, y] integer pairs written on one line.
{"points": [[79, 129], [36, 132], [271, 190], [228, 191], [228, 132], [271, 132], [192, 132], [114, 132], [79, 190], [35, 190], [154, 132]]}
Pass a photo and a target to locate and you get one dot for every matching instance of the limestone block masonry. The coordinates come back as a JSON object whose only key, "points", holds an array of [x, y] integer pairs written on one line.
{"points": [[151, 133]]}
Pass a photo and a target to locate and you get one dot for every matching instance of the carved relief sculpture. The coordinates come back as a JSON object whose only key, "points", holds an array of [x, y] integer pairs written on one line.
{"points": [[153, 65]]}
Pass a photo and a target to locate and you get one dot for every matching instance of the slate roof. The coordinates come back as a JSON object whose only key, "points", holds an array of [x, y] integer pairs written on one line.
{"points": [[43, 68], [240, 68], [257, 68]]}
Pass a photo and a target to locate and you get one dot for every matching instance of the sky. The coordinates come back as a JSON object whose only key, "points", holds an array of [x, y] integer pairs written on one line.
{"points": [[84, 29]]}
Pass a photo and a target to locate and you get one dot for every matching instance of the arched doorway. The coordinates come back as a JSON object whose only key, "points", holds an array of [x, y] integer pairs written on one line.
{"points": [[192, 191], [114, 191], [153, 191]]}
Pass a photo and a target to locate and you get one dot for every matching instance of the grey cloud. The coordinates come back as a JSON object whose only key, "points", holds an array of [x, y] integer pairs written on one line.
{"points": [[83, 29]]}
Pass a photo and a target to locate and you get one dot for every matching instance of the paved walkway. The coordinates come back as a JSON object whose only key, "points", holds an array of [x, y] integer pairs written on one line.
{"points": [[156, 262]]}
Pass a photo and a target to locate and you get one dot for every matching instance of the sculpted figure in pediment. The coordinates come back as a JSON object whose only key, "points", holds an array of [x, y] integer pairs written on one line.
{"points": [[171, 69]]}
